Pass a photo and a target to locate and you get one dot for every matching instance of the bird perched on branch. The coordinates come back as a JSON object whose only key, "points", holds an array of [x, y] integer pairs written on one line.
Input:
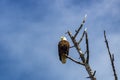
{"points": [[63, 49]]}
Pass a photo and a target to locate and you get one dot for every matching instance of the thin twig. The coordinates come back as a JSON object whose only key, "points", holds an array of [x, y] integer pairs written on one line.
{"points": [[111, 57], [77, 31], [81, 38], [87, 48], [72, 46], [74, 60]]}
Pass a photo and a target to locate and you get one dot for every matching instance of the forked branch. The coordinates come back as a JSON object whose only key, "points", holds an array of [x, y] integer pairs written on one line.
{"points": [[85, 60]]}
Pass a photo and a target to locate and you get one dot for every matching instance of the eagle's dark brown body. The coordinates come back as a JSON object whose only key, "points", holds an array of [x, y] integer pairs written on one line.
{"points": [[63, 48]]}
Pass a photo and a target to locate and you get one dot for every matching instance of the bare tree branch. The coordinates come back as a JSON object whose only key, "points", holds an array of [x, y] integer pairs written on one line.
{"points": [[87, 47], [74, 60], [111, 57], [77, 31], [72, 46], [77, 47], [75, 43], [81, 54], [81, 38]]}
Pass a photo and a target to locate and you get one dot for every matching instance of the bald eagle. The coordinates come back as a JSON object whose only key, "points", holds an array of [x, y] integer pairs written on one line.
{"points": [[63, 48]]}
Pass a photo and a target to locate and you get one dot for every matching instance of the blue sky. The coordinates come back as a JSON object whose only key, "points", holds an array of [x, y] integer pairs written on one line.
{"points": [[30, 31]]}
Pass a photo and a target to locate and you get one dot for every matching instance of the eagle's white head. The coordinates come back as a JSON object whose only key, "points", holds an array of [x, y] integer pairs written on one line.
{"points": [[63, 38]]}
